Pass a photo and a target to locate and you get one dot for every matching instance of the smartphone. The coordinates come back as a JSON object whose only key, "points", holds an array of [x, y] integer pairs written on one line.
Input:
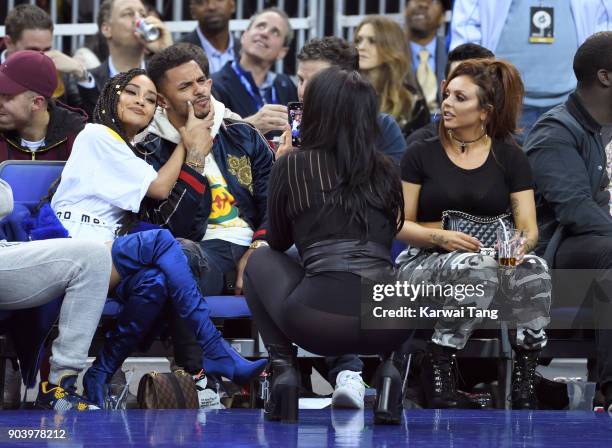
{"points": [[295, 119]]}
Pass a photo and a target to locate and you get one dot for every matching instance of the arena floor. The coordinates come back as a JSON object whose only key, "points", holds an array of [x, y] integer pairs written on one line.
{"points": [[317, 428]]}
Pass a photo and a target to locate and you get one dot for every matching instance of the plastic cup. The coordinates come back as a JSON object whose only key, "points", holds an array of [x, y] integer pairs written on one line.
{"points": [[508, 246], [580, 394]]}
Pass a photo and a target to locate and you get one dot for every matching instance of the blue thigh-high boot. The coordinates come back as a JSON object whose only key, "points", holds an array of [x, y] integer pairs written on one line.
{"points": [[144, 295], [159, 248]]}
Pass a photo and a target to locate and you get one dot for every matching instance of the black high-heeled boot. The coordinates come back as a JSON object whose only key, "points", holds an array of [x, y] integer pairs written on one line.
{"points": [[281, 393], [524, 378], [388, 407]]}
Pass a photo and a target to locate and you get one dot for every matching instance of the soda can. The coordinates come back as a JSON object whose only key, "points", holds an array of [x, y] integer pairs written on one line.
{"points": [[149, 32]]}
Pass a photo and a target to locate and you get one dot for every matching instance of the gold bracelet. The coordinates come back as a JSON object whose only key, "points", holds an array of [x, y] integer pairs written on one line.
{"points": [[194, 165], [258, 243]]}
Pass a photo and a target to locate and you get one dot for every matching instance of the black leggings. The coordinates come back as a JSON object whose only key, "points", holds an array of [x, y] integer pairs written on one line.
{"points": [[321, 313]]}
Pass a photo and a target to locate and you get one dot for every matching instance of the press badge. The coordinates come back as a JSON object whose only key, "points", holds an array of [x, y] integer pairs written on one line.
{"points": [[541, 25]]}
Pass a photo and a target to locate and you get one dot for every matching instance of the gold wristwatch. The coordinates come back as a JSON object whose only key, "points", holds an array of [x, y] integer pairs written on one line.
{"points": [[258, 243]]}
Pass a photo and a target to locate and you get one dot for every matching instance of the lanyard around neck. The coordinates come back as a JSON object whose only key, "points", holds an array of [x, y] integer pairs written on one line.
{"points": [[251, 87]]}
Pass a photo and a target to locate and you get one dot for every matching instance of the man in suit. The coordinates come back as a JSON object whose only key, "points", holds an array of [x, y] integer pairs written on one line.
{"points": [[117, 22], [248, 86], [213, 33], [423, 19]]}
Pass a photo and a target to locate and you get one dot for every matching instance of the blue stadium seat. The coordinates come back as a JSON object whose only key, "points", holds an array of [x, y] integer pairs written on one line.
{"points": [[222, 307], [30, 181], [396, 248]]}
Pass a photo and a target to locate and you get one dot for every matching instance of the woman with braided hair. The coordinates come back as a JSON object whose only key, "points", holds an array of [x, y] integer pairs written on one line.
{"points": [[102, 185]]}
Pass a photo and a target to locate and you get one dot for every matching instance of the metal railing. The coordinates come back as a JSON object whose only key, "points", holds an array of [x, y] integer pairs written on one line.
{"points": [[309, 18]]}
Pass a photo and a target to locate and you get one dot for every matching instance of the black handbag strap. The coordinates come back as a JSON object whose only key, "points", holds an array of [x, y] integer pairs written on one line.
{"points": [[178, 392]]}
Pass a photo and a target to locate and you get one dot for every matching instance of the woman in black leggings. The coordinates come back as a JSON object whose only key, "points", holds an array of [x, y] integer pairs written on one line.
{"points": [[340, 201]]}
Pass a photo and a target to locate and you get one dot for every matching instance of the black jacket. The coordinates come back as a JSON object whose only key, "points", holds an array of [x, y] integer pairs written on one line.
{"points": [[64, 125], [228, 89], [425, 132], [89, 97], [420, 117], [569, 167], [188, 207]]}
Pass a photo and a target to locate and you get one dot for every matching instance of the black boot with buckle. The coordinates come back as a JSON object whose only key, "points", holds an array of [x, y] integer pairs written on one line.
{"points": [[524, 379], [439, 379], [281, 392]]}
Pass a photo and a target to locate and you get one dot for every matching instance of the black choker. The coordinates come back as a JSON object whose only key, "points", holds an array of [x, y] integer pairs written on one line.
{"points": [[463, 144]]}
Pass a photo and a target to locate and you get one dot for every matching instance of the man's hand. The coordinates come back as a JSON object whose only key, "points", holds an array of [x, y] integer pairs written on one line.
{"points": [[196, 135], [271, 117], [66, 64], [240, 270], [286, 144], [165, 38]]}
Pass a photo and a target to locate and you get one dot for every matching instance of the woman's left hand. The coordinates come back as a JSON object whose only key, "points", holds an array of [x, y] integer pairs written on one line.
{"points": [[520, 253]]}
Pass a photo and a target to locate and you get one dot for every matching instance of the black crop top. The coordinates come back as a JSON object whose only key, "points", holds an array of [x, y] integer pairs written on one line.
{"points": [[296, 196], [483, 191]]}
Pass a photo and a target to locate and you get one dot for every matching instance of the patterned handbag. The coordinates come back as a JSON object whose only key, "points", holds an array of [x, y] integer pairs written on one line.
{"points": [[483, 228], [175, 390]]}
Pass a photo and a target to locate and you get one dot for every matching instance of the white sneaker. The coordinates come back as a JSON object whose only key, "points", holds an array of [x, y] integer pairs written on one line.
{"points": [[349, 391], [207, 396]]}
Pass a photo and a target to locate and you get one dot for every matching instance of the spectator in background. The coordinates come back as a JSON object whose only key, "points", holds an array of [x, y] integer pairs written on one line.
{"points": [[28, 27], [248, 87], [117, 23], [384, 58], [423, 20], [566, 151], [319, 54], [456, 56], [506, 27], [212, 32], [32, 124]]}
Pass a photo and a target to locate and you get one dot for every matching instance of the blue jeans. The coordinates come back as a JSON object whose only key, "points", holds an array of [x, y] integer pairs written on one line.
{"points": [[209, 261]]}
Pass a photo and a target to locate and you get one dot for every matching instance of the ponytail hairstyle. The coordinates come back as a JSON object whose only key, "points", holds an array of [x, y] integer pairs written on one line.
{"points": [[500, 91]]}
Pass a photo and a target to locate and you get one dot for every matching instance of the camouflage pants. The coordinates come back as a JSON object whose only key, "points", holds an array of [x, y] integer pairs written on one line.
{"points": [[521, 294]]}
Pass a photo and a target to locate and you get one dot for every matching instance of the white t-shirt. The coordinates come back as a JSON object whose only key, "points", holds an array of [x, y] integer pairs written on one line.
{"points": [[101, 180], [224, 222]]}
